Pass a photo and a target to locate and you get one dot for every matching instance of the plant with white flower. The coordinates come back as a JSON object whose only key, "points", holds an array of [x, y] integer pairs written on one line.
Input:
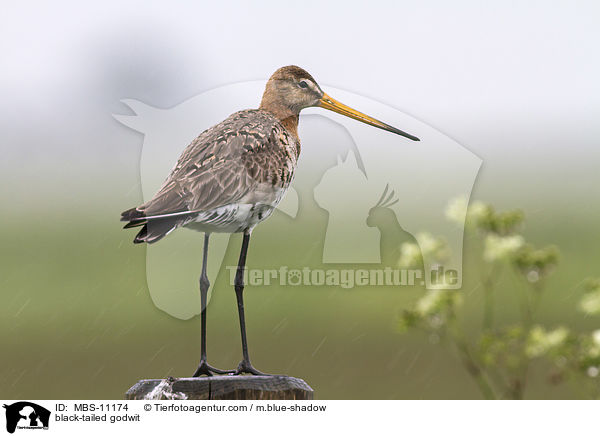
{"points": [[499, 358], [432, 312], [501, 247], [540, 261], [578, 360], [428, 246], [478, 212], [590, 302], [410, 255], [593, 350], [542, 341], [460, 212], [432, 302], [456, 210], [432, 247]]}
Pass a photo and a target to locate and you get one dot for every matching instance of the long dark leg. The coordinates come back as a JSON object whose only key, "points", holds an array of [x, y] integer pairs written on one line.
{"points": [[245, 366], [204, 368]]}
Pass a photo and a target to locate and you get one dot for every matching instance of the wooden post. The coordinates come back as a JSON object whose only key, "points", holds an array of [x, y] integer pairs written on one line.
{"points": [[222, 387]]}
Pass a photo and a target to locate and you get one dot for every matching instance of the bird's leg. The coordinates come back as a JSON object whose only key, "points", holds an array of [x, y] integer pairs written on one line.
{"points": [[245, 366], [204, 368]]}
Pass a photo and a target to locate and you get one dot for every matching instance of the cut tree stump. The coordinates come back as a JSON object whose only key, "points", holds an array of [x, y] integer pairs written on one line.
{"points": [[222, 387]]}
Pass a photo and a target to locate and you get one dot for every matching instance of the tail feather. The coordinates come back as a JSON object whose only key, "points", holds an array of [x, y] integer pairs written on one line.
{"points": [[154, 231], [154, 227], [135, 223], [132, 214]]}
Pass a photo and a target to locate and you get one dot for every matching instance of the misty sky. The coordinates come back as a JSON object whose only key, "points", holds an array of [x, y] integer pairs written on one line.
{"points": [[517, 84]]}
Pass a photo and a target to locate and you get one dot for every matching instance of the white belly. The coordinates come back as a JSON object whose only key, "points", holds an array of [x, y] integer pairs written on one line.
{"points": [[233, 218], [238, 217]]}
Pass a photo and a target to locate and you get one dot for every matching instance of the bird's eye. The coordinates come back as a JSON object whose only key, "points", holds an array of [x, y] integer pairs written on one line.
{"points": [[303, 84]]}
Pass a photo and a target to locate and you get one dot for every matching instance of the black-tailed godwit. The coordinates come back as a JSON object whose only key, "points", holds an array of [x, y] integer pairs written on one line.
{"points": [[233, 175]]}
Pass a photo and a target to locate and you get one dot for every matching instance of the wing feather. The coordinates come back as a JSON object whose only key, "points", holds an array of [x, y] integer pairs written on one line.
{"points": [[223, 165]]}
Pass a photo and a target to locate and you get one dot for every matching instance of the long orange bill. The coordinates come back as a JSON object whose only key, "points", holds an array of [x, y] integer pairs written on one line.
{"points": [[327, 102]]}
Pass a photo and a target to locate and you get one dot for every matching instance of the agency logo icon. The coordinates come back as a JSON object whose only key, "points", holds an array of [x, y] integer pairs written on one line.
{"points": [[359, 194], [26, 415]]}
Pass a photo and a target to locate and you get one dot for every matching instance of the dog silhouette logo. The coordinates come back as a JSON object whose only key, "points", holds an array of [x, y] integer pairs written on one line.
{"points": [[26, 415]]}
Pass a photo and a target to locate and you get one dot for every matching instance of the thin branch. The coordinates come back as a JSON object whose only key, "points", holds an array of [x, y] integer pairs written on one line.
{"points": [[475, 370]]}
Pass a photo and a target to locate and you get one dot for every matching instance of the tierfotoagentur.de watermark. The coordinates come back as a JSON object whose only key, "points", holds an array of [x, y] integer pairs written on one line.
{"points": [[344, 278]]}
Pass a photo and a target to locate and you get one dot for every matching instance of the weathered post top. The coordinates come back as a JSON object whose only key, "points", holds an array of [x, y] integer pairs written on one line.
{"points": [[223, 387]]}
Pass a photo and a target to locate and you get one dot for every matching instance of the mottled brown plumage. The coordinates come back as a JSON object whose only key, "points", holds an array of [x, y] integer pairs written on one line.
{"points": [[249, 157]]}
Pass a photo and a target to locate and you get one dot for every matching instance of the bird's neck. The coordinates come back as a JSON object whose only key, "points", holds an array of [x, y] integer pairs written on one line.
{"points": [[286, 115], [291, 125]]}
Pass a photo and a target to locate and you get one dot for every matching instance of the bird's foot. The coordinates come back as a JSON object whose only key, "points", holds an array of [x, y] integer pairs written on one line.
{"points": [[205, 369], [245, 367]]}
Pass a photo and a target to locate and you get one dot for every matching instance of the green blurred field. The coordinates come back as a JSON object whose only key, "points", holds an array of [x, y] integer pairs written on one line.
{"points": [[76, 320]]}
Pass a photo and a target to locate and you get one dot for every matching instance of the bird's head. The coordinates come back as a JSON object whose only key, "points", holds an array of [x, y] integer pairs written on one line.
{"points": [[291, 89]]}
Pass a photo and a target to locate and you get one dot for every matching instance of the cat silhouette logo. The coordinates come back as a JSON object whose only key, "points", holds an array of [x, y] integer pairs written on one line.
{"points": [[26, 415]]}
